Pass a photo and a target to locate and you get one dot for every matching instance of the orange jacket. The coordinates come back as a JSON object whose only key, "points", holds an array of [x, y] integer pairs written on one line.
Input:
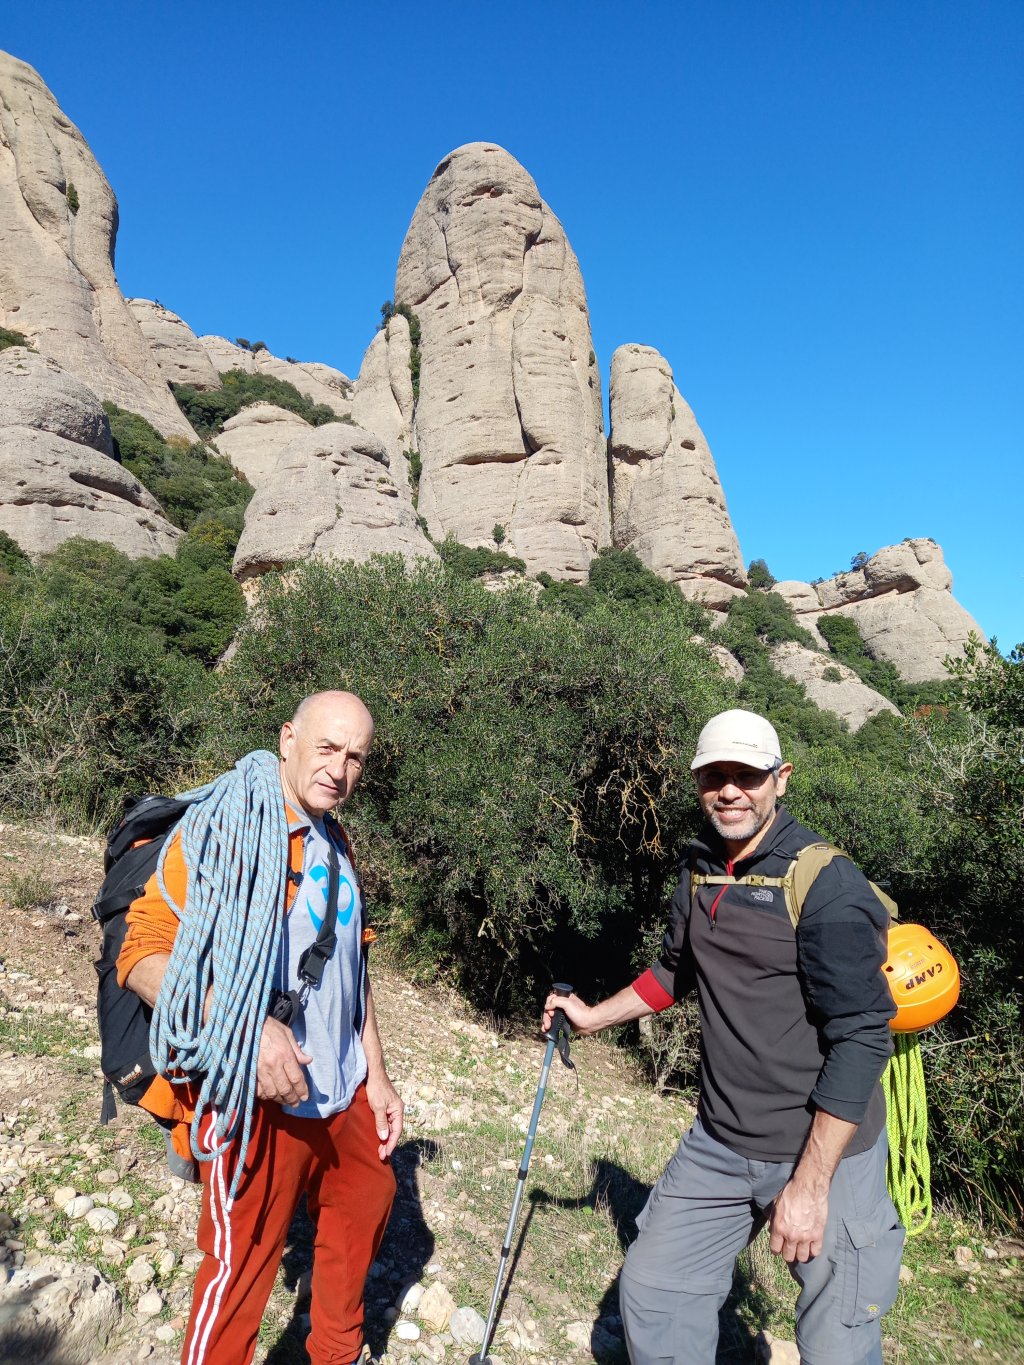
{"points": [[152, 926]]}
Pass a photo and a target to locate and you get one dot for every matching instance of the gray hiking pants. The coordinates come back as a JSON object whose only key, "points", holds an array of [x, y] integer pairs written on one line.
{"points": [[702, 1213]]}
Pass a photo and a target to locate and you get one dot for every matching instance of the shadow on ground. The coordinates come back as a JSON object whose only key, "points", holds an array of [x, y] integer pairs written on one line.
{"points": [[404, 1254], [745, 1313], [409, 1245]]}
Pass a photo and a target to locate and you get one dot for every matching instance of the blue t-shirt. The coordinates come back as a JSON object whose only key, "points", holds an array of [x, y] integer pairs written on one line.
{"points": [[323, 1028]]}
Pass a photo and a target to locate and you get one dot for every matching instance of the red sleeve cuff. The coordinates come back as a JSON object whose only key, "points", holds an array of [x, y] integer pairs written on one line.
{"points": [[652, 992]]}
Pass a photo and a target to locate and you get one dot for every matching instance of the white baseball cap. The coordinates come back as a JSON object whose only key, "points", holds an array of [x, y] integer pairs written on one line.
{"points": [[738, 737]]}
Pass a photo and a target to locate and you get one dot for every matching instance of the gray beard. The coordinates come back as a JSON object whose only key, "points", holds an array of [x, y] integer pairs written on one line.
{"points": [[734, 834]]}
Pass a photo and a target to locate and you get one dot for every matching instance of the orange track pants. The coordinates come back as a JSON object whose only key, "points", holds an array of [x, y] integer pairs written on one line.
{"points": [[349, 1192]]}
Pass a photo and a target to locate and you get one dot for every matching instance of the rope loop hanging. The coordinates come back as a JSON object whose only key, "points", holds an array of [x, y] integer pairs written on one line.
{"points": [[234, 840], [906, 1107]]}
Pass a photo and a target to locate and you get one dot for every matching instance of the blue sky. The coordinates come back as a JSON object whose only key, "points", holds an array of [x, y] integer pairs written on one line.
{"points": [[814, 210]]}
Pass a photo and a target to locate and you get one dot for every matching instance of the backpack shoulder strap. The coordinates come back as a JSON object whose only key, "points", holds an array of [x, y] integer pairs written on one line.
{"points": [[803, 871]]}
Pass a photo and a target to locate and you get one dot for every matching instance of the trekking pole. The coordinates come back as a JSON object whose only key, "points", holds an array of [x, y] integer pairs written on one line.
{"points": [[558, 1035]]}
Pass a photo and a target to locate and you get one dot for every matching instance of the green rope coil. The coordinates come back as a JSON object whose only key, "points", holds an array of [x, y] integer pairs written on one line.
{"points": [[906, 1106]]}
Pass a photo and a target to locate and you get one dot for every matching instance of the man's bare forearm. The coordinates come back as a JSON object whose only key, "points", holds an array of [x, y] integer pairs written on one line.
{"points": [[146, 977], [800, 1210], [826, 1142], [372, 1049], [619, 1008]]}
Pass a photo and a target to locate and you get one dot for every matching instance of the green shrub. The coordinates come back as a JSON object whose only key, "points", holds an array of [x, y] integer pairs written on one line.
{"points": [[474, 561], [831, 674], [415, 474], [8, 337], [530, 782], [846, 642], [13, 559], [188, 605], [92, 709], [187, 480], [620, 575], [208, 410], [72, 198], [576, 599], [759, 575], [758, 619]]}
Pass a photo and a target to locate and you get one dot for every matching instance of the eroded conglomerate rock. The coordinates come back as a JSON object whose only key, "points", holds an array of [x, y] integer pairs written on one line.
{"points": [[319, 383], [256, 438], [668, 506], [175, 347], [58, 222], [56, 1312], [508, 424], [331, 495], [902, 604], [383, 399], [844, 695], [58, 477]]}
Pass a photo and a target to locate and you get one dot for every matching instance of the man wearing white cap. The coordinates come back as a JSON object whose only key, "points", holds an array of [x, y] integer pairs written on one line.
{"points": [[790, 1126]]}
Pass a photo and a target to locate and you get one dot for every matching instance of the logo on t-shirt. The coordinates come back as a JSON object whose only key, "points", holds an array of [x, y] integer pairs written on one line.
{"points": [[316, 899]]}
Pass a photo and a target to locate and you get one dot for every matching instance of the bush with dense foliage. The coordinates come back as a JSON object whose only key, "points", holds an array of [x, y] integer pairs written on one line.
{"points": [[93, 708], [187, 605], [969, 765], [473, 561], [759, 575], [846, 642], [530, 785], [9, 337], [209, 409], [186, 478]]}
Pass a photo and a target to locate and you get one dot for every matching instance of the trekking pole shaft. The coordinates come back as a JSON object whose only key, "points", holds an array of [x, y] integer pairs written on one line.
{"points": [[524, 1167]]}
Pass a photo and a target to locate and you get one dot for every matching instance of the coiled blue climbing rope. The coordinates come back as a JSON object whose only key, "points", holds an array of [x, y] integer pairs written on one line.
{"points": [[234, 839]]}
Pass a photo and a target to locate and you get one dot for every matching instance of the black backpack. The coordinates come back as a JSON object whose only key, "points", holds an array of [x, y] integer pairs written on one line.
{"points": [[123, 1018]]}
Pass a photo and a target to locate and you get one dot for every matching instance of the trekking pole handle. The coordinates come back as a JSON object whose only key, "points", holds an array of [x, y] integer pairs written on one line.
{"points": [[559, 1022]]}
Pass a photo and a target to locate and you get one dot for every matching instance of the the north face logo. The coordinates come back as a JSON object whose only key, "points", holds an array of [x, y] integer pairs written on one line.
{"points": [[763, 893]]}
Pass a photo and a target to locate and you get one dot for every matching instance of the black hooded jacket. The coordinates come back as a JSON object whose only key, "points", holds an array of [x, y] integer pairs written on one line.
{"points": [[790, 1022]]}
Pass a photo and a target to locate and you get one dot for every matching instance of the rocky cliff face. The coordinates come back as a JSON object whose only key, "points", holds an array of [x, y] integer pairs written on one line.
{"points": [[902, 603], [830, 685], [255, 439], [667, 501], [383, 399], [330, 495], [508, 424], [174, 346], [58, 477], [58, 222]]}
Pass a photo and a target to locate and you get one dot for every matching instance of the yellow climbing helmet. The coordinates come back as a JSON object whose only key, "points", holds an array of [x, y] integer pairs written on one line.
{"points": [[923, 977]]}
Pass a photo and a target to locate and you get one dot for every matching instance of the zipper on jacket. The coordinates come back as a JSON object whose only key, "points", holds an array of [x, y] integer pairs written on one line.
{"points": [[714, 904]]}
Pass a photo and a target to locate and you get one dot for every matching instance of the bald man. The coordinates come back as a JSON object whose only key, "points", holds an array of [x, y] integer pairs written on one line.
{"points": [[327, 1117]]}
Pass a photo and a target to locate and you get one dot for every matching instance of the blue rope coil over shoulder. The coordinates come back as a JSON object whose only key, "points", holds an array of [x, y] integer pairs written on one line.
{"points": [[234, 839]]}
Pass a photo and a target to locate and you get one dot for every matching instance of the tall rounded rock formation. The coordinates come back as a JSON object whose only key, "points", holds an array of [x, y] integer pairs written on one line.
{"points": [[668, 506], [508, 423], [58, 222]]}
